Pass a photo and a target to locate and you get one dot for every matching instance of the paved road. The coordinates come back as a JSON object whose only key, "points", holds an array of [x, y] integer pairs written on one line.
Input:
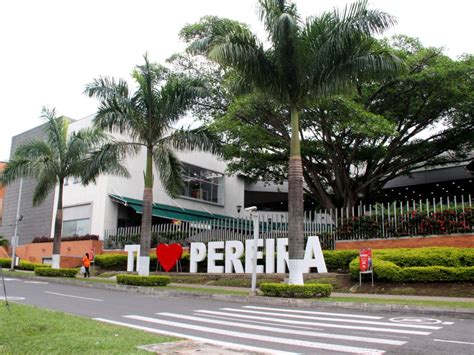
{"points": [[266, 329]]}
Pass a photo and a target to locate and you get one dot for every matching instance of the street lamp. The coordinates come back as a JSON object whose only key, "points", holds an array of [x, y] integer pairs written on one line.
{"points": [[254, 215], [18, 219], [239, 208]]}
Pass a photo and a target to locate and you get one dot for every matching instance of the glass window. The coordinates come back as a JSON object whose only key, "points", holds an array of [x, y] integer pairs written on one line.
{"points": [[203, 184], [76, 227]]}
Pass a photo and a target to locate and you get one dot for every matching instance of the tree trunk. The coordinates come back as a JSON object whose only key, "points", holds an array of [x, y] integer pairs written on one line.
{"points": [[58, 228], [295, 205], [145, 238]]}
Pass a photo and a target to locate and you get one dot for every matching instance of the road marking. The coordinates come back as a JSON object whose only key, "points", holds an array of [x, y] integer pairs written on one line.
{"points": [[295, 342], [415, 320], [36, 282], [10, 279], [268, 323], [286, 330], [318, 324], [191, 337], [453, 341], [72, 296], [12, 298], [334, 319], [448, 323], [312, 312]]}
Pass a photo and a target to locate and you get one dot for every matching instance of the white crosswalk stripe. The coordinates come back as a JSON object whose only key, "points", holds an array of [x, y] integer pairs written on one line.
{"points": [[268, 329], [335, 319], [313, 312], [286, 330], [320, 324], [204, 340], [295, 342]]}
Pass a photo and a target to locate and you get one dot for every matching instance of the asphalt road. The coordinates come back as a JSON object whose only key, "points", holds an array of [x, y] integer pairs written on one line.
{"points": [[266, 329]]}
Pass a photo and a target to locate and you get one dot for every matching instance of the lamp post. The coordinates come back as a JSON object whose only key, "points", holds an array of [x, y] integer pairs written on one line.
{"points": [[254, 215], [18, 219]]}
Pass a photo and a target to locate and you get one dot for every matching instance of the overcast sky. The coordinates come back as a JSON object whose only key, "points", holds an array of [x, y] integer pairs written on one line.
{"points": [[51, 48]]}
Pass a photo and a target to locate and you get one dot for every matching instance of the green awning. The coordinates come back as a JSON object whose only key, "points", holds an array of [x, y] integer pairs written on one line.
{"points": [[169, 212]]}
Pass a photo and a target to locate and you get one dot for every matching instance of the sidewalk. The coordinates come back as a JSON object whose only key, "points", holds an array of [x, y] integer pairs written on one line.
{"points": [[342, 294]]}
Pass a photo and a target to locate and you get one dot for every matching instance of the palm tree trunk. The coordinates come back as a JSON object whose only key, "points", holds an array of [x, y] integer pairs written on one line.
{"points": [[295, 205], [58, 228], [145, 238]]}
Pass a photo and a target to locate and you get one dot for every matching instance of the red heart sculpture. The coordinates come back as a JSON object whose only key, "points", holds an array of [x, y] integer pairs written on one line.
{"points": [[168, 255]]}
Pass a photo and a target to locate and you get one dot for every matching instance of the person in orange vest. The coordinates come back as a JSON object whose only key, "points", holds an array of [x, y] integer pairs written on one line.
{"points": [[86, 263]]}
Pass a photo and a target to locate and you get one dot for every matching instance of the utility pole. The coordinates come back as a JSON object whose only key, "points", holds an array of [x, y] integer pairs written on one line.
{"points": [[254, 215], [15, 236]]}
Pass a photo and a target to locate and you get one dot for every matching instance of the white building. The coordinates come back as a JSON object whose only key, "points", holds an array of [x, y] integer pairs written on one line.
{"points": [[108, 204]]}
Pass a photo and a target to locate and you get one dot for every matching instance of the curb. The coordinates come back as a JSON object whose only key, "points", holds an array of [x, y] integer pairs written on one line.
{"points": [[274, 301]]}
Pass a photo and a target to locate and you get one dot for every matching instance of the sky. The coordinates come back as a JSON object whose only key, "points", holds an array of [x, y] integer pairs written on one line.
{"points": [[50, 49]]}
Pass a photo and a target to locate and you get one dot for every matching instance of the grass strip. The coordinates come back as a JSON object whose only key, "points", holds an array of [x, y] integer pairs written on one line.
{"points": [[26, 329], [426, 303], [205, 290]]}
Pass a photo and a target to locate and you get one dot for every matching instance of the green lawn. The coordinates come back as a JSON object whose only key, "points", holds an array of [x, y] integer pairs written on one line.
{"points": [[206, 290], [31, 330], [427, 303]]}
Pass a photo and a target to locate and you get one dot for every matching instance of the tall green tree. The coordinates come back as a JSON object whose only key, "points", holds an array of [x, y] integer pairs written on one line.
{"points": [[53, 160], [144, 119], [353, 145], [300, 61]]}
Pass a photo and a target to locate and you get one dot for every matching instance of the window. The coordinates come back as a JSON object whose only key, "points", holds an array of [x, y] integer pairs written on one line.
{"points": [[77, 220], [203, 184], [76, 227]]}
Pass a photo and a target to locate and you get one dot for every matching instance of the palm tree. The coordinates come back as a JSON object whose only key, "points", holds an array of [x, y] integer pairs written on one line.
{"points": [[52, 161], [145, 119], [302, 60]]}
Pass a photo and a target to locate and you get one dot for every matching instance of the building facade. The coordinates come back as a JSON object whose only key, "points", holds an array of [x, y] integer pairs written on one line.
{"points": [[116, 201]]}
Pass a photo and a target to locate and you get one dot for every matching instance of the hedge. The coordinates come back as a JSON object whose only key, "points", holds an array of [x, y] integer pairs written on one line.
{"points": [[296, 291], [143, 280], [390, 272], [46, 271], [118, 262], [24, 265], [435, 256], [339, 259], [44, 239]]}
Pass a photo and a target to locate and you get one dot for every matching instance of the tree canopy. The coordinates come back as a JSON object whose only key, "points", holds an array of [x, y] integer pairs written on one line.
{"points": [[352, 144]]}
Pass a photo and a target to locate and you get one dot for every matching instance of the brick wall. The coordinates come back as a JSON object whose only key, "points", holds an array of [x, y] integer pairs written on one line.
{"points": [[459, 241], [71, 252]]}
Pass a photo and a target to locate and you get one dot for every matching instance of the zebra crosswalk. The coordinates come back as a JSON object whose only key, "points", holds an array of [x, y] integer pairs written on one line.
{"points": [[282, 330]]}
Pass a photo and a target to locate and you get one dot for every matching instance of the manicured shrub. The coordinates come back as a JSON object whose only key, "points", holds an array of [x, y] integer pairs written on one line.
{"points": [[383, 270], [389, 272], [339, 259], [437, 273], [47, 271], [6, 263], [143, 280], [296, 291], [44, 239], [117, 262], [24, 265]]}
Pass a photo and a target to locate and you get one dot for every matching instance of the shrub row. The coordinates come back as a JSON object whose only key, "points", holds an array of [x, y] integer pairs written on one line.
{"points": [[24, 265], [296, 291], [143, 280], [436, 256], [388, 271], [118, 262], [44, 239], [47, 271]]}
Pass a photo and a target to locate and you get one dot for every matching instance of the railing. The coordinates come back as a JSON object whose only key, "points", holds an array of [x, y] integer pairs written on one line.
{"points": [[389, 220]]}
